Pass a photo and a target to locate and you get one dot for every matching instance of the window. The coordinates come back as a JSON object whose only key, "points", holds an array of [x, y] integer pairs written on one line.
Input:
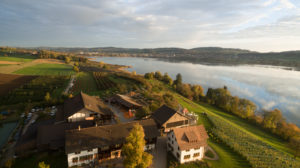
{"points": [[90, 150], [187, 150], [197, 148], [178, 147], [187, 156], [169, 138], [75, 160], [172, 142], [77, 152], [196, 154]]}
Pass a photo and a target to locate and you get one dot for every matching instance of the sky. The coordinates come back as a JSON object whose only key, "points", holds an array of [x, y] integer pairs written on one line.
{"points": [[259, 25]]}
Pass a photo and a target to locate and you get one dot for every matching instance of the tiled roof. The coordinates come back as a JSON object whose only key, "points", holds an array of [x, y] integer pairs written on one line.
{"points": [[163, 114], [126, 101], [190, 137], [80, 101], [97, 137]]}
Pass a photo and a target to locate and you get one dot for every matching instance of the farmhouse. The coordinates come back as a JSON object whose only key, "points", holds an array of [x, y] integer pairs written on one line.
{"points": [[94, 144], [83, 107], [167, 118], [187, 143]]}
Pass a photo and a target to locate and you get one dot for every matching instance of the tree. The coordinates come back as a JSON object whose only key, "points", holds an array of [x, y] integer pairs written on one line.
{"points": [[149, 75], [67, 60], [295, 144], [167, 79], [158, 75], [272, 118], [178, 80], [76, 64], [133, 72], [43, 165], [133, 150], [47, 97], [76, 69]]}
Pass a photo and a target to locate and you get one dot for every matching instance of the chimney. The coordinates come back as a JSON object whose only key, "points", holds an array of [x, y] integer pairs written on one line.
{"points": [[79, 128]]}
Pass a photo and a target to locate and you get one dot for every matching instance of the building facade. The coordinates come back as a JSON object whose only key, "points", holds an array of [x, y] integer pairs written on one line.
{"points": [[94, 144], [187, 143]]}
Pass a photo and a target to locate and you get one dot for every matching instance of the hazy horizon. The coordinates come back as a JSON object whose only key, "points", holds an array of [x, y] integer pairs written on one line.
{"points": [[256, 25]]}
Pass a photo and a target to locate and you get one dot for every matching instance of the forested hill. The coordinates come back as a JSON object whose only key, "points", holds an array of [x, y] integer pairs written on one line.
{"points": [[208, 55]]}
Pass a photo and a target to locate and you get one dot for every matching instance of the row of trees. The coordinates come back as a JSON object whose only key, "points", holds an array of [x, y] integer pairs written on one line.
{"points": [[193, 92], [45, 54], [271, 120]]}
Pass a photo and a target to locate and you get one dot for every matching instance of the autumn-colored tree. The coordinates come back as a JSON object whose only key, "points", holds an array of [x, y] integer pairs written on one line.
{"points": [[67, 60], [133, 150], [47, 97], [149, 75], [167, 79], [272, 118], [133, 72], [43, 165], [158, 75], [76, 69]]}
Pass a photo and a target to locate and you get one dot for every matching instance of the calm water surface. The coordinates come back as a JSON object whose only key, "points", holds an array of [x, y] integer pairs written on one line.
{"points": [[268, 86]]}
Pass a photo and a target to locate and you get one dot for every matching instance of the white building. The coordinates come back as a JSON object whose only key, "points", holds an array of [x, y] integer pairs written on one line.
{"points": [[187, 143]]}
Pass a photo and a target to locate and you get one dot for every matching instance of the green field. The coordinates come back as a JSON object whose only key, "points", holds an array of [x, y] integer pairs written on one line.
{"points": [[84, 82], [47, 69], [17, 57]]}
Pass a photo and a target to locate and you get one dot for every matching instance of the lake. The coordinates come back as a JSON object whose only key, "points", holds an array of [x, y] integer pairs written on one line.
{"points": [[267, 86]]}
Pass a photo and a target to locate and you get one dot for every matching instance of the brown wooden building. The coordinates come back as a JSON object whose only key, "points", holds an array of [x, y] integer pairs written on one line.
{"points": [[168, 118], [84, 107]]}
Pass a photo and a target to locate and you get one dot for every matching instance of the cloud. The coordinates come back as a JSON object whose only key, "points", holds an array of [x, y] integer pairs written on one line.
{"points": [[143, 23]]}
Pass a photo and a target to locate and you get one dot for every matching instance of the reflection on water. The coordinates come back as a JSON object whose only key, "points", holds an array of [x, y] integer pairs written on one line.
{"points": [[269, 87]]}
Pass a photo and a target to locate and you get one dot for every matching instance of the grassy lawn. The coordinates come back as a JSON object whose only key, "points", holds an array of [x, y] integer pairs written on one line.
{"points": [[84, 82], [227, 157], [57, 160], [18, 58], [47, 69]]}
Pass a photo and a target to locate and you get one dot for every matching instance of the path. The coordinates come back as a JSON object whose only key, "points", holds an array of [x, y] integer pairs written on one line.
{"points": [[70, 85], [216, 156], [160, 153], [120, 114]]}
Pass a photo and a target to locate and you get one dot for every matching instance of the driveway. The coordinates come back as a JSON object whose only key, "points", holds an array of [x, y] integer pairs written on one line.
{"points": [[160, 153], [120, 114]]}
